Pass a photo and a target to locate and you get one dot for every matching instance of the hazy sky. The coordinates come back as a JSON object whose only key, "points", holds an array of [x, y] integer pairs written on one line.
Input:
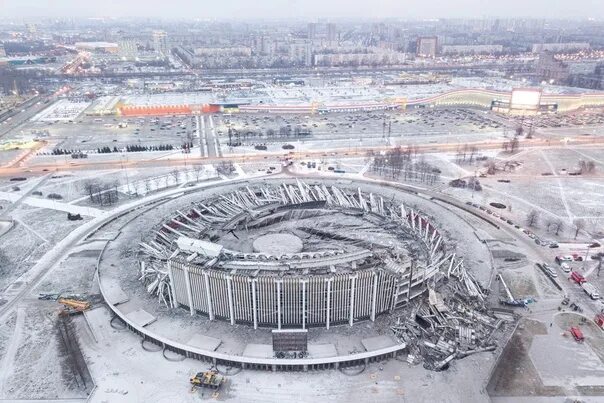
{"points": [[244, 9]]}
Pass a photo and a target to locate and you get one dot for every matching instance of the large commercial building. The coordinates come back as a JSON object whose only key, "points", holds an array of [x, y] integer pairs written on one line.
{"points": [[471, 49], [560, 47], [107, 47]]}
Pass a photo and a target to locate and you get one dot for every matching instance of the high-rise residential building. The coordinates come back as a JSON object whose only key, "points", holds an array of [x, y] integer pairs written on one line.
{"points": [[332, 34], [427, 46], [160, 43], [312, 30]]}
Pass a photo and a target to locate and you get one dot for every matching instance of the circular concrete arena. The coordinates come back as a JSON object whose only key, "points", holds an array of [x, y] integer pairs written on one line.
{"points": [[274, 254], [278, 244], [292, 255]]}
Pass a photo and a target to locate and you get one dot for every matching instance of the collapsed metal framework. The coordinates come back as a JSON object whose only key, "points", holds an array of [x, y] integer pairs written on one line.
{"points": [[290, 290]]}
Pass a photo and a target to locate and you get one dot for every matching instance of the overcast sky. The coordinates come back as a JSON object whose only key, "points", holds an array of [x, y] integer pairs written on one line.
{"points": [[246, 9]]}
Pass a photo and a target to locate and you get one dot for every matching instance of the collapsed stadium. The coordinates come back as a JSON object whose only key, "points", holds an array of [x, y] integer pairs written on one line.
{"points": [[285, 256]]}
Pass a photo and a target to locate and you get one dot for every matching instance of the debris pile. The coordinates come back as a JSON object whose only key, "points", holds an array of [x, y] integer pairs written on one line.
{"points": [[439, 329]]}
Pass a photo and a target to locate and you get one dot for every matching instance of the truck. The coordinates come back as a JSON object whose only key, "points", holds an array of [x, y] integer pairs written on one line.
{"points": [[577, 277], [599, 319], [576, 332], [590, 290]]}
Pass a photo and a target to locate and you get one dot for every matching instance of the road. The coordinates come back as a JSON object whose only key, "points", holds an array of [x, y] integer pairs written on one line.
{"points": [[215, 155], [201, 133], [22, 114]]}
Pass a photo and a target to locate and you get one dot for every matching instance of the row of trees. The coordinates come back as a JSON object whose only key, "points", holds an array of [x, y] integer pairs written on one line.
{"points": [[129, 148], [555, 225], [138, 147], [62, 151], [511, 146], [403, 163], [102, 193], [466, 154], [106, 193], [587, 167]]}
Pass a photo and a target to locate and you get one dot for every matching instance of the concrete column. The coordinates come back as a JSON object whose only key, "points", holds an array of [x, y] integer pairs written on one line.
{"points": [[352, 284], [328, 302], [172, 286], [254, 303], [206, 279], [304, 304], [412, 269], [189, 293], [230, 294], [394, 297], [374, 296], [278, 304]]}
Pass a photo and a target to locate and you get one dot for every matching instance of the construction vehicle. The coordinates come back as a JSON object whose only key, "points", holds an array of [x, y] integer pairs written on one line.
{"points": [[73, 306], [207, 379], [577, 277], [577, 334], [599, 319]]}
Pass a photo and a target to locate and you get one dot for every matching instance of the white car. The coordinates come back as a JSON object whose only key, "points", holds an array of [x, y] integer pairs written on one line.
{"points": [[565, 267], [565, 258]]}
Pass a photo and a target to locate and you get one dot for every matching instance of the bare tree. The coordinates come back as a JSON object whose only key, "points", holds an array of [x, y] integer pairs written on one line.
{"points": [[198, 169], [555, 225], [491, 167], [514, 145], [91, 187], [175, 175], [505, 146], [579, 225], [148, 185], [532, 219], [586, 167], [473, 151]]}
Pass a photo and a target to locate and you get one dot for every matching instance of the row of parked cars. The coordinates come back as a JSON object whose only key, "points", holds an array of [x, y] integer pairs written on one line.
{"points": [[497, 215], [530, 234]]}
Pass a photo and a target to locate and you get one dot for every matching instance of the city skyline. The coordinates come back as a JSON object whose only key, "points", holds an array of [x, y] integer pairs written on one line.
{"points": [[279, 9]]}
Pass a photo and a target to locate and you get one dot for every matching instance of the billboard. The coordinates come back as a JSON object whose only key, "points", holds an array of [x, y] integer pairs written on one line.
{"points": [[290, 340], [525, 98]]}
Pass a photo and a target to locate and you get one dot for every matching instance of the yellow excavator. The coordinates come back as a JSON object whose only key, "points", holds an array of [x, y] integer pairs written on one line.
{"points": [[207, 379], [73, 306]]}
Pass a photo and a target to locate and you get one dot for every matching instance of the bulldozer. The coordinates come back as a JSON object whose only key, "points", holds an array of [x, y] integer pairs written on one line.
{"points": [[207, 379], [73, 306]]}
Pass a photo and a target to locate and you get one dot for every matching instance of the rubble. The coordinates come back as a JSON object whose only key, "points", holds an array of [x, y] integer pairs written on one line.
{"points": [[448, 325]]}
